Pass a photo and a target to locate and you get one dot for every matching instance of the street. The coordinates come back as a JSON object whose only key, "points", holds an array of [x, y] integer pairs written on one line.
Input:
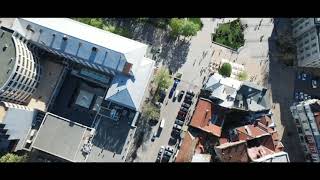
{"points": [[261, 69], [198, 57]]}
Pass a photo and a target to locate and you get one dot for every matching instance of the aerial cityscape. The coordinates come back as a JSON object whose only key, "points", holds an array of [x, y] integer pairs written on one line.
{"points": [[162, 90]]}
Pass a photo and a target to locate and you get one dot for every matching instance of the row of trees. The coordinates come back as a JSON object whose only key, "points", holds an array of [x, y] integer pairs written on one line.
{"points": [[9, 157], [184, 26], [102, 24]]}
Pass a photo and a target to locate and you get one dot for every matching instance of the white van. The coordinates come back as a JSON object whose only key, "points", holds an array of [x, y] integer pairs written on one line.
{"points": [[162, 123]]}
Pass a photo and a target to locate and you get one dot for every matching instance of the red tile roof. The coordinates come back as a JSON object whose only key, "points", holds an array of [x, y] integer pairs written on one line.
{"points": [[202, 116], [258, 152], [187, 148], [232, 152]]}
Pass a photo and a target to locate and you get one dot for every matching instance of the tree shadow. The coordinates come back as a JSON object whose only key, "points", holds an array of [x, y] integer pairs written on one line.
{"points": [[174, 51], [281, 82]]}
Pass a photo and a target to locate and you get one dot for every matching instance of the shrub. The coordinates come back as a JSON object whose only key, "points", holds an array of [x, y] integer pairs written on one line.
{"points": [[225, 69], [242, 76], [9, 157]]}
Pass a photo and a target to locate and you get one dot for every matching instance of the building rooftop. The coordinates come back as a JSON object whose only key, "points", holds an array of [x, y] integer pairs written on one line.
{"points": [[232, 152], [223, 88], [17, 121], [251, 97], [7, 55], [187, 148], [129, 91], [203, 118], [78, 41], [62, 138]]}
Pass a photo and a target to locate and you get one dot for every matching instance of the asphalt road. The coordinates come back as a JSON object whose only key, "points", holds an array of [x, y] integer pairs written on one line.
{"points": [[198, 58]]}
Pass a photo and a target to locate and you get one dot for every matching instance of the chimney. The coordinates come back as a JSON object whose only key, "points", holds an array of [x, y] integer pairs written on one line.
{"points": [[127, 68]]}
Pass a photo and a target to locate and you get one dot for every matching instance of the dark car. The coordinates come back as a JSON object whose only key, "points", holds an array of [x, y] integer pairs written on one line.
{"points": [[175, 133], [175, 84], [181, 117], [187, 101], [185, 105], [191, 93], [162, 95], [179, 122], [180, 96], [183, 109], [188, 96], [172, 141]]}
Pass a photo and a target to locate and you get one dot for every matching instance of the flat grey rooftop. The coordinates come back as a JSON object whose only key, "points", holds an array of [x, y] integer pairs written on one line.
{"points": [[62, 138], [6, 66]]}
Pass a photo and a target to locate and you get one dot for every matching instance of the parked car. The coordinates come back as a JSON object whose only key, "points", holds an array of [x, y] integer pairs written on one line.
{"points": [[181, 117], [305, 96], [297, 96], [170, 149], [175, 133], [301, 96], [188, 96], [314, 83], [183, 109], [161, 151], [176, 93], [176, 82], [162, 95], [154, 136], [187, 101], [179, 122], [191, 93], [172, 141], [186, 105], [162, 123], [180, 96], [309, 97], [304, 76], [182, 113], [299, 76], [176, 126]]}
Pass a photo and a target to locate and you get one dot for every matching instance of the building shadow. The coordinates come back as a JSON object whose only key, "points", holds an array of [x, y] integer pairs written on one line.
{"points": [[281, 82]]}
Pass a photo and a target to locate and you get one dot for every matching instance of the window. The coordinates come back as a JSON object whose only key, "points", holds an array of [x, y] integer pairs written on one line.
{"points": [[315, 51], [94, 49], [314, 44], [306, 42]]}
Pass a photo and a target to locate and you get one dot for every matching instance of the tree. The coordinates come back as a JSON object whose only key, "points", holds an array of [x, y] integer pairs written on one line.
{"points": [[225, 69], [162, 79], [242, 76], [151, 112], [176, 26], [9, 157], [96, 22], [190, 28]]}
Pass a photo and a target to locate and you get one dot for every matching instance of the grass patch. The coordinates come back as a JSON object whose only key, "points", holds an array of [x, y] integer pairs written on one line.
{"points": [[230, 34]]}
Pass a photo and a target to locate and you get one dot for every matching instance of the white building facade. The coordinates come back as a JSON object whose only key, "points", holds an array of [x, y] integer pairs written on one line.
{"points": [[307, 120], [306, 33], [24, 69]]}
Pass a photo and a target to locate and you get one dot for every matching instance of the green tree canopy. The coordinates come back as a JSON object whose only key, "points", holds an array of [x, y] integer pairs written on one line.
{"points": [[151, 112], [184, 26], [243, 76], [190, 28], [9, 157], [163, 79], [225, 69]]}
